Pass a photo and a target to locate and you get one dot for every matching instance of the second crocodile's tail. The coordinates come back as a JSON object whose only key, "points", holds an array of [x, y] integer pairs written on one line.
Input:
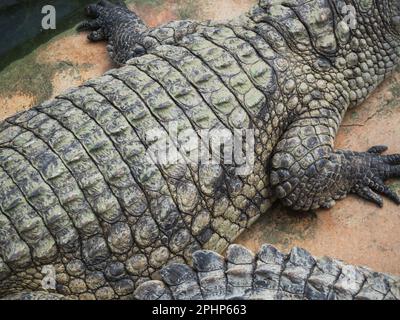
{"points": [[268, 275]]}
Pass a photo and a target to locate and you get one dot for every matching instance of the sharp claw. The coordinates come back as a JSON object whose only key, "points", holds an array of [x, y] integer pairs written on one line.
{"points": [[393, 172], [83, 26], [371, 172], [378, 186], [378, 149], [88, 26], [366, 193], [391, 195], [392, 159]]}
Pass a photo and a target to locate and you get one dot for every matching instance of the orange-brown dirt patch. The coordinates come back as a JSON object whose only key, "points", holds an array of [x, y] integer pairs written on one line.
{"points": [[156, 15], [224, 9], [8, 103]]}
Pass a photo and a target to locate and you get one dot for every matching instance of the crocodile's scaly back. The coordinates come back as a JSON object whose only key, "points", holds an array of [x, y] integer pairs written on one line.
{"points": [[82, 193]]}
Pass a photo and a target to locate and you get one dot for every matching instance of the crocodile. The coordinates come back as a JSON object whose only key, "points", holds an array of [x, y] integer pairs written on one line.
{"points": [[101, 184], [268, 275]]}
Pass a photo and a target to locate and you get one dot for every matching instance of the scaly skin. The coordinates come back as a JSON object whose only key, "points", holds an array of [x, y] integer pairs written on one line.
{"points": [[77, 191], [268, 275]]}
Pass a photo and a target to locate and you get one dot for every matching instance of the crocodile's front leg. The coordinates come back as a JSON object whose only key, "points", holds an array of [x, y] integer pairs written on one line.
{"points": [[308, 173]]}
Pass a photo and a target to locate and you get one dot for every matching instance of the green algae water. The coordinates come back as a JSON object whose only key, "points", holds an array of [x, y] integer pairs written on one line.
{"points": [[21, 25], [22, 75]]}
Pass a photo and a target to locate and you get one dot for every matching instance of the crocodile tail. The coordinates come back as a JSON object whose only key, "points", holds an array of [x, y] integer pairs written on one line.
{"points": [[268, 275]]}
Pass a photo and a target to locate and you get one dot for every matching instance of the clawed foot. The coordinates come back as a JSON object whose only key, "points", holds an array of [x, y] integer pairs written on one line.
{"points": [[98, 12], [115, 23], [372, 169]]}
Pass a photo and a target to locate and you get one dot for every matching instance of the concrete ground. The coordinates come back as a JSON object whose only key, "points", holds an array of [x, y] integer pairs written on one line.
{"points": [[354, 230]]}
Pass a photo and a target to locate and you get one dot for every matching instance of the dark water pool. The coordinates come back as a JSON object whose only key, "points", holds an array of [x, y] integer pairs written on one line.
{"points": [[21, 25]]}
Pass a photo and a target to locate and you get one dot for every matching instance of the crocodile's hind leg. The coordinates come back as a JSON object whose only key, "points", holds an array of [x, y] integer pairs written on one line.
{"points": [[127, 35], [307, 173], [119, 26]]}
